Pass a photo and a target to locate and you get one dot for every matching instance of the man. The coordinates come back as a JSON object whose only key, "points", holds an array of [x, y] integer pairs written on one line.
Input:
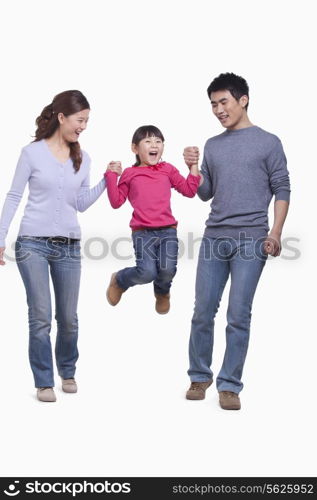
{"points": [[242, 168]]}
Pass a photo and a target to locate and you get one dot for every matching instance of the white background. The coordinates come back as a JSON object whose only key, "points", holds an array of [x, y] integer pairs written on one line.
{"points": [[150, 62]]}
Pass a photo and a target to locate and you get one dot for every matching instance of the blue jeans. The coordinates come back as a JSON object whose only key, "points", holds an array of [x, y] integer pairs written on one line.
{"points": [[243, 260], [156, 260], [35, 258]]}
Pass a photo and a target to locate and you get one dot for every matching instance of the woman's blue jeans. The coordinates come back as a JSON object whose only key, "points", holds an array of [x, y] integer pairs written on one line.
{"points": [[242, 260], [156, 260], [36, 259]]}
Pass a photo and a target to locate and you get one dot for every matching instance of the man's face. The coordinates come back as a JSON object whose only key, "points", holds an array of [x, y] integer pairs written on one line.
{"points": [[227, 109]]}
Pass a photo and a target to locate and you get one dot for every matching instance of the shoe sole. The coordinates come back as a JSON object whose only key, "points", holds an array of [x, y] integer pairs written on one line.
{"points": [[198, 398], [236, 406], [160, 312], [230, 407]]}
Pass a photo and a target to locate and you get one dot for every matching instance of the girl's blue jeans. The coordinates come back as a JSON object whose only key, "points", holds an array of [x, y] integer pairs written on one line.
{"points": [[156, 260]]}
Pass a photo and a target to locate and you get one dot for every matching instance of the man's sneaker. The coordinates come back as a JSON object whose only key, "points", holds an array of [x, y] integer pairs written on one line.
{"points": [[46, 394], [69, 385], [197, 390], [229, 400], [114, 292], [162, 304]]}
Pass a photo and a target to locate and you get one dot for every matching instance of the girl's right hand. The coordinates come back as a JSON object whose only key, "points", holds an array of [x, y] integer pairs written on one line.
{"points": [[2, 249], [115, 166]]}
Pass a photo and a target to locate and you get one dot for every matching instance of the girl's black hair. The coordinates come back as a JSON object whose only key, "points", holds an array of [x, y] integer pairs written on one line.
{"points": [[142, 133]]}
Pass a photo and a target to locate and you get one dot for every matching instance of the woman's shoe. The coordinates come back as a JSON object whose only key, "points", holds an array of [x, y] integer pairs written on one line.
{"points": [[46, 394], [69, 385]]}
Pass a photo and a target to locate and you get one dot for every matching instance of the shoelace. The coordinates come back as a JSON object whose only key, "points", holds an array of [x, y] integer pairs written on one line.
{"points": [[230, 394], [196, 386]]}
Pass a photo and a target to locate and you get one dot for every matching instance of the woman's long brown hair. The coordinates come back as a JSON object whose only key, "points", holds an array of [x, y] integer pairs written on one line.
{"points": [[68, 103]]}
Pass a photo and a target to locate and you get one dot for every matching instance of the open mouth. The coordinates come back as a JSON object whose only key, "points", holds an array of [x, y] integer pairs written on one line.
{"points": [[153, 154]]}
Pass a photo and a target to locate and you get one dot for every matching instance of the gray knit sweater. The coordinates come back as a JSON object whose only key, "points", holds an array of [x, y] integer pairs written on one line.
{"points": [[242, 170]]}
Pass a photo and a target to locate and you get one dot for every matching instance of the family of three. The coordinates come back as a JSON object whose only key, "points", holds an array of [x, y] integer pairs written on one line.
{"points": [[242, 168]]}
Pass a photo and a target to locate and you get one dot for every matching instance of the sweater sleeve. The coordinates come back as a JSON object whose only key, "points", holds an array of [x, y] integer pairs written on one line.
{"points": [[187, 187], [13, 198], [117, 193], [87, 196], [278, 173], [205, 190]]}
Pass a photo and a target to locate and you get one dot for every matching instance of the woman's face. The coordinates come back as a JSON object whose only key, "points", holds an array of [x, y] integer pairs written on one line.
{"points": [[72, 126]]}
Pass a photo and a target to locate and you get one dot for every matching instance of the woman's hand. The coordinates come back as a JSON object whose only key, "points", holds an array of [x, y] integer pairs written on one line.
{"points": [[2, 262], [115, 166]]}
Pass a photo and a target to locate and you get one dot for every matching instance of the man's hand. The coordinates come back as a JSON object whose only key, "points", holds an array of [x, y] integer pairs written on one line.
{"points": [[191, 156], [272, 244], [2, 262], [115, 166]]}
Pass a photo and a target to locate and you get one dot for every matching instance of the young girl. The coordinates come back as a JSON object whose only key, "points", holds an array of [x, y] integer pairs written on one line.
{"points": [[147, 185]]}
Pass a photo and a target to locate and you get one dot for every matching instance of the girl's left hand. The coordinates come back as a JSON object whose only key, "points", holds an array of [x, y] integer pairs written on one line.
{"points": [[115, 166]]}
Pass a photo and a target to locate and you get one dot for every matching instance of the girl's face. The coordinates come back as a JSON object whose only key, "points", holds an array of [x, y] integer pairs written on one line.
{"points": [[149, 149], [72, 126]]}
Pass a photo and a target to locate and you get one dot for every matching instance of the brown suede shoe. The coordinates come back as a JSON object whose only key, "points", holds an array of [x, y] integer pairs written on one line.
{"points": [[69, 385], [114, 292], [197, 390], [162, 304], [229, 400]]}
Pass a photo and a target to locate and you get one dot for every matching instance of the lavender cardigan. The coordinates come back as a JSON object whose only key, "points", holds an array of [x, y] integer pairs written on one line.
{"points": [[56, 192]]}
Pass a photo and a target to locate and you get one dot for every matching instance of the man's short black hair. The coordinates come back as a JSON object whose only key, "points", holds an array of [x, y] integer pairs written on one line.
{"points": [[236, 85]]}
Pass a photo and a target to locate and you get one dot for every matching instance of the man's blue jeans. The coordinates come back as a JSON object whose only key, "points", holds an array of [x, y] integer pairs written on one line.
{"points": [[156, 260], [36, 257], [243, 260]]}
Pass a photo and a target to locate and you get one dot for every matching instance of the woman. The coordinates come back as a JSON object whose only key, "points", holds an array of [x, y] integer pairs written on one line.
{"points": [[57, 171]]}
